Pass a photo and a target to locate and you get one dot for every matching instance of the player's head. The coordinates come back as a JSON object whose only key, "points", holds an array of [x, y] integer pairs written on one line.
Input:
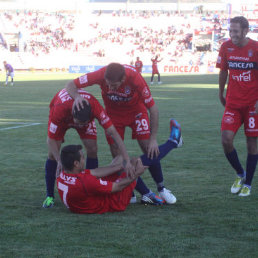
{"points": [[4, 62], [114, 75], [239, 27], [72, 158], [83, 115], [137, 58]]}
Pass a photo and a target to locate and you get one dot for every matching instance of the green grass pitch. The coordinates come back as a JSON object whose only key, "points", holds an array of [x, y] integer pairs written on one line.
{"points": [[207, 220]]}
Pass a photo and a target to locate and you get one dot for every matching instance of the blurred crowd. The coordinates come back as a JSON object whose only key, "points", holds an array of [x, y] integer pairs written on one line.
{"points": [[172, 35]]}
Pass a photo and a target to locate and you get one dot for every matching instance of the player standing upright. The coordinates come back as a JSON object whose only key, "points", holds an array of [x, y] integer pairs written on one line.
{"points": [[9, 72], [138, 65], [155, 70], [128, 99], [239, 56]]}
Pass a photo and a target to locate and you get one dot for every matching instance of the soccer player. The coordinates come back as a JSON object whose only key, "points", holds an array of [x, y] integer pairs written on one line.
{"points": [[128, 99], [155, 70], [9, 72], [138, 65], [103, 189], [239, 56], [63, 115]]}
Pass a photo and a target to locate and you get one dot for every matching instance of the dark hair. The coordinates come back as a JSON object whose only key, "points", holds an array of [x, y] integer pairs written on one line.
{"points": [[69, 154], [84, 114], [241, 20], [115, 72]]}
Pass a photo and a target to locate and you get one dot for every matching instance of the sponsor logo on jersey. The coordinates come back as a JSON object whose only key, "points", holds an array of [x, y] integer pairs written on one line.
{"points": [[138, 116], [52, 128], [228, 119], [102, 182], [83, 79], [116, 98], [229, 113], [243, 77], [250, 53], [237, 65], [148, 100], [243, 58], [230, 49], [127, 89], [68, 179]]}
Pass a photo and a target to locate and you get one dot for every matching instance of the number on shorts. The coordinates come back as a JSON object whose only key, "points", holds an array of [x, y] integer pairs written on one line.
{"points": [[251, 122], [64, 189], [142, 124]]}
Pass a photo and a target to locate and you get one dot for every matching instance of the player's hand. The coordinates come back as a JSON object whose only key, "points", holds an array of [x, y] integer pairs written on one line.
{"points": [[139, 168], [153, 149], [256, 108], [129, 169], [58, 169], [79, 102], [222, 99]]}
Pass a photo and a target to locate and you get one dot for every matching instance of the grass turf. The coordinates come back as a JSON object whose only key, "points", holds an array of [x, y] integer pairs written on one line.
{"points": [[207, 220]]}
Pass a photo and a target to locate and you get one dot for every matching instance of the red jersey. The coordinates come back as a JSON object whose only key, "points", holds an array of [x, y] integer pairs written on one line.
{"points": [[60, 114], [242, 63], [134, 94], [138, 66], [85, 193]]}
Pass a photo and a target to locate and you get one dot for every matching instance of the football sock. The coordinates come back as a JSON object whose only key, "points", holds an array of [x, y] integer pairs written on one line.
{"points": [[50, 176], [92, 163], [141, 187], [164, 149], [156, 172], [251, 163], [235, 163]]}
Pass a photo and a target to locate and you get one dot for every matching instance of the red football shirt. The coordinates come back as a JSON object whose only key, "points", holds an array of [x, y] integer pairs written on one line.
{"points": [[84, 193], [131, 96], [60, 115], [138, 66], [242, 63]]}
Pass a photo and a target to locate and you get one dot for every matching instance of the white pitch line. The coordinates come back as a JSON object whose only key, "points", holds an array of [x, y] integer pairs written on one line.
{"points": [[19, 126]]}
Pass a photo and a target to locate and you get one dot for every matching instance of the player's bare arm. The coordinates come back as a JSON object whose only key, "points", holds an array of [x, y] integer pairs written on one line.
{"points": [[73, 92], [129, 169], [153, 148], [106, 171], [223, 75], [139, 169]]}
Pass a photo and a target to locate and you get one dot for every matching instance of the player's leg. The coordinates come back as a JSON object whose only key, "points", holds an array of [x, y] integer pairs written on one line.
{"points": [[152, 76], [50, 177], [159, 81], [6, 79], [12, 75], [88, 135], [140, 186], [230, 124], [251, 131], [155, 169], [91, 150]]}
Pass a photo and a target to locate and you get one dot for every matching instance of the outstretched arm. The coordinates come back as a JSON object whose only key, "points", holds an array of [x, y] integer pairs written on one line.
{"points": [[73, 92], [129, 169]]}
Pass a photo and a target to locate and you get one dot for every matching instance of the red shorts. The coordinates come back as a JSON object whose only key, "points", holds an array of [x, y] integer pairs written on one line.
{"points": [[119, 201], [233, 118], [58, 132], [155, 71], [138, 122]]}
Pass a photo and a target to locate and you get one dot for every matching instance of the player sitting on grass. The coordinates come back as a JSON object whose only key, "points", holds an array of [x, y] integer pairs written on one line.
{"points": [[103, 189]]}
